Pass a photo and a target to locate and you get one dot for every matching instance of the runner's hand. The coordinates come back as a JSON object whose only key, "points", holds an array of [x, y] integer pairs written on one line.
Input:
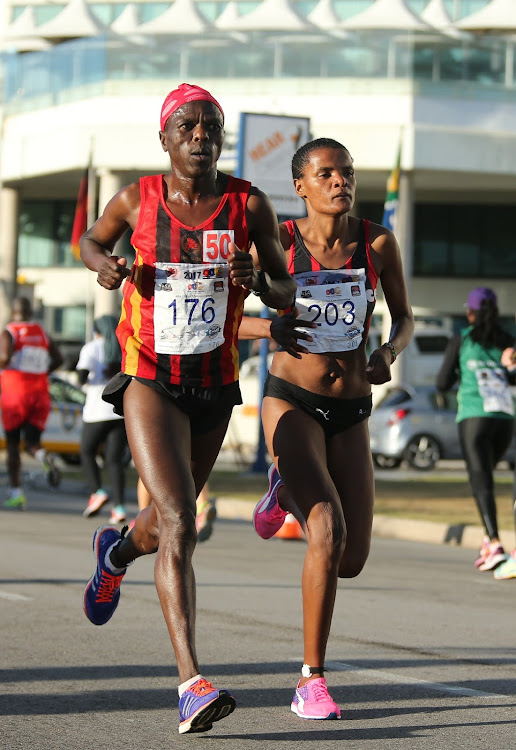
{"points": [[283, 331], [241, 268], [378, 368], [112, 272]]}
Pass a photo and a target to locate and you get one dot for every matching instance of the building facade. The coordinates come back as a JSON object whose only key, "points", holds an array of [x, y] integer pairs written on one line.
{"points": [[446, 95]]}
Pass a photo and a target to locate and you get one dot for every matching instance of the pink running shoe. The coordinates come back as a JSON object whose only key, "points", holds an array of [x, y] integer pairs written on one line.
{"points": [[95, 503], [484, 550], [313, 701], [268, 517], [495, 556]]}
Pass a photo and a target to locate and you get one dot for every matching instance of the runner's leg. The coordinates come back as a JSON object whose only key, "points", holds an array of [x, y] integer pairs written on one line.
{"points": [[159, 438], [12, 439], [115, 444], [92, 436], [311, 495], [351, 467]]}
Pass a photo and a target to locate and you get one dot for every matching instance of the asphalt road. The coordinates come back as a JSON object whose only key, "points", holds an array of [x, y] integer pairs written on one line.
{"points": [[421, 656]]}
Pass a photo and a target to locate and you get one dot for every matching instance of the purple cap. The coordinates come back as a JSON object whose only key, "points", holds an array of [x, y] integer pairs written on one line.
{"points": [[479, 295]]}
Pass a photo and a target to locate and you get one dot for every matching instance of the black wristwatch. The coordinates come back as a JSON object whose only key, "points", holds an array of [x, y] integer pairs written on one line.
{"points": [[263, 284]]}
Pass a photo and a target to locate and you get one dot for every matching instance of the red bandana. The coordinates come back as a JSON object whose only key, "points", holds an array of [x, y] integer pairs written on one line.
{"points": [[182, 95]]}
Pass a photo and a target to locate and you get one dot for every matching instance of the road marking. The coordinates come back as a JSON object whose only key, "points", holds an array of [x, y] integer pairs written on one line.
{"points": [[14, 597], [404, 679]]}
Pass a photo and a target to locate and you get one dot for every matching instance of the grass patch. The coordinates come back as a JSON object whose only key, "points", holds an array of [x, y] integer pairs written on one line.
{"points": [[427, 498]]}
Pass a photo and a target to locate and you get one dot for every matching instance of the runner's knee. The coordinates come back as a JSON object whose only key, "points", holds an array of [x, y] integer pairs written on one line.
{"points": [[352, 562], [178, 526], [327, 531]]}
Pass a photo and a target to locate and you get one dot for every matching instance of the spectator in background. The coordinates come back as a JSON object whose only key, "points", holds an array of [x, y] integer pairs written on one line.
{"points": [[485, 408], [507, 569], [27, 355], [98, 361]]}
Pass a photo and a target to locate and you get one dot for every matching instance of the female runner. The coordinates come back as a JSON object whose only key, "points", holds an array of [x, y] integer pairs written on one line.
{"points": [[319, 392]]}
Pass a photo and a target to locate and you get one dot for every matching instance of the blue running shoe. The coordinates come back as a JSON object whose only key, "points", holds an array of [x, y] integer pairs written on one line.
{"points": [[102, 592], [268, 516], [201, 705]]}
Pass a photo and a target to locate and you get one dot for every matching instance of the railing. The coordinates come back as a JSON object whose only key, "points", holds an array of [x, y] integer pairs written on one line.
{"points": [[83, 68]]}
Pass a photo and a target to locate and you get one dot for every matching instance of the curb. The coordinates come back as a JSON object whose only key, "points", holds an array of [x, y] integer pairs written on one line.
{"points": [[386, 527]]}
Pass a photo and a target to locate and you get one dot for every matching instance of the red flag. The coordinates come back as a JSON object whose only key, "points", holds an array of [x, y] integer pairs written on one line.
{"points": [[81, 217]]}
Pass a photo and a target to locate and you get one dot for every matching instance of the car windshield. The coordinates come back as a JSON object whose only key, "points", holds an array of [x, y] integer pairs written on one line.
{"points": [[394, 396], [61, 390], [435, 344]]}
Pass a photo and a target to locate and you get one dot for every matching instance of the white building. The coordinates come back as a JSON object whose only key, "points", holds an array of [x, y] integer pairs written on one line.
{"points": [[367, 72]]}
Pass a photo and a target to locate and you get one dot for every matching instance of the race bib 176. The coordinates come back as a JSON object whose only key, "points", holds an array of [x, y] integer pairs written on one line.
{"points": [[190, 306]]}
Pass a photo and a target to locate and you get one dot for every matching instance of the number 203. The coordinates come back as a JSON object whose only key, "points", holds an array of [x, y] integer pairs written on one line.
{"points": [[331, 313]]}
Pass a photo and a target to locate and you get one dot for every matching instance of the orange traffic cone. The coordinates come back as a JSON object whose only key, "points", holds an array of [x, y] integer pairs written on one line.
{"points": [[291, 529]]}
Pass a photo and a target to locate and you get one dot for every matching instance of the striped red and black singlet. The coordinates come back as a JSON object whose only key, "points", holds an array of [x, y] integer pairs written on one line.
{"points": [[159, 237], [301, 260]]}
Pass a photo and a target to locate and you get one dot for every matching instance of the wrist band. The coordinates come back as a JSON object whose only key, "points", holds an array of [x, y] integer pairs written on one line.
{"points": [[393, 350]]}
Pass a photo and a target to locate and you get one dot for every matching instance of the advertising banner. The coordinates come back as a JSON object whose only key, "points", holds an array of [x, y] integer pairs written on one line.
{"points": [[266, 146]]}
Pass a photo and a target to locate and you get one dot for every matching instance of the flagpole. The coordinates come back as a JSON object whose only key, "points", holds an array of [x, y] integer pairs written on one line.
{"points": [[398, 218], [92, 217]]}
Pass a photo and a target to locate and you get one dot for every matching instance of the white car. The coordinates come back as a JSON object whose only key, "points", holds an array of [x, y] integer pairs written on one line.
{"points": [[423, 357]]}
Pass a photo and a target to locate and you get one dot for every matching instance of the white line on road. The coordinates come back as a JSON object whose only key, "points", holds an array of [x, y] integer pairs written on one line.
{"points": [[404, 679], [14, 597]]}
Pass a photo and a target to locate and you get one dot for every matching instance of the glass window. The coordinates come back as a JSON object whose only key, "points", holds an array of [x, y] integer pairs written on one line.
{"points": [[305, 7], [358, 61], [302, 59], [465, 231], [251, 62], [348, 8], [431, 240], [211, 62], [16, 12], [424, 62], [150, 11], [104, 12], [371, 210], [35, 241], [464, 240], [209, 10], [45, 229], [498, 257], [44, 13], [69, 322]]}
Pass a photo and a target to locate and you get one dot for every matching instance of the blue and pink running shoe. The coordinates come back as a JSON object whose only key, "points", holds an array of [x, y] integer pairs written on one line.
{"points": [[313, 701], [102, 592], [268, 516], [202, 704]]}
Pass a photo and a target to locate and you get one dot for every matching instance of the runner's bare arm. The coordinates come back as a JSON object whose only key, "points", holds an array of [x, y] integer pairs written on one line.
{"points": [[264, 233], [97, 243], [388, 263], [281, 329]]}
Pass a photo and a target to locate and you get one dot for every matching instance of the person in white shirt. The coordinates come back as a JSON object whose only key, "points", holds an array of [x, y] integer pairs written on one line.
{"points": [[98, 361]]}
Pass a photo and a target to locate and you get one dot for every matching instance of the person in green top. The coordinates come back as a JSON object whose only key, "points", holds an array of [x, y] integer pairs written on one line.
{"points": [[485, 413]]}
